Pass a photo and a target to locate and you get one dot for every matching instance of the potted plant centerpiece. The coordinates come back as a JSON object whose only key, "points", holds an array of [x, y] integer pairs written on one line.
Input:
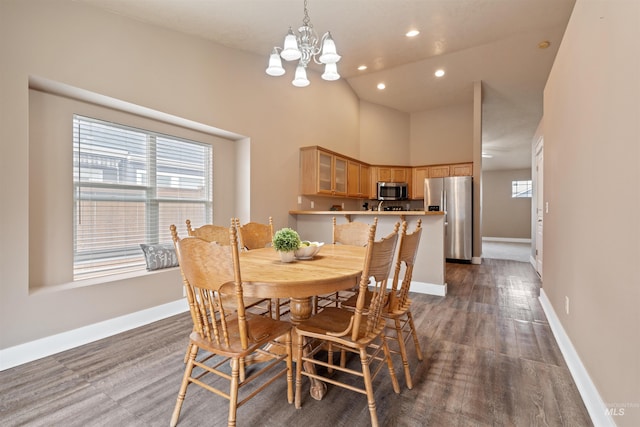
{"points": [[286, 241]]}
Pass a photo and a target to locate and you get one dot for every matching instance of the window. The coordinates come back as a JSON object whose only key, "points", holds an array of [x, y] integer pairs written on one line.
{"points": [[130, 185], [521, 188]]}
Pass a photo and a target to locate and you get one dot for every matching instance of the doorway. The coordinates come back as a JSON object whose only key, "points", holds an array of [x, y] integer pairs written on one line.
{"points": [[540, 206]]}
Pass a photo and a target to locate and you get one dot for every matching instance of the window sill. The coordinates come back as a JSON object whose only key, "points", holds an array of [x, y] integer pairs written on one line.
{"points": [[42, 290]]}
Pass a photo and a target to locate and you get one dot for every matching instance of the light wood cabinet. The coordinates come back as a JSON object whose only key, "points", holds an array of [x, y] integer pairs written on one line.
{"points": [[461, 169], [322, 172], [393, 174], [418, 176], [358, 180], [389, 174], [439, 171]]}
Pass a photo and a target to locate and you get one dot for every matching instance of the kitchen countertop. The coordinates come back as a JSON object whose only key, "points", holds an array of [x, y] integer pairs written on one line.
{"points": [[371, 213]]}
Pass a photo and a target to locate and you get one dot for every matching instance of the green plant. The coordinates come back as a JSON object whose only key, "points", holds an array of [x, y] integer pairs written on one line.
{"points": [[286, 240]]}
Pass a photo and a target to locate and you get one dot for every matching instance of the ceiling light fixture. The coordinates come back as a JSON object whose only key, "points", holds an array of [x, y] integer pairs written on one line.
{"points": [[362, 67], [305, 46], [439, 73], [412, 33], [381, 86]]}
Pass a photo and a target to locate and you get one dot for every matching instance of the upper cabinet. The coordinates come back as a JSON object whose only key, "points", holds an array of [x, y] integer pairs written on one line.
{"points": [[358, 179], [389, 174], [393, 174], [437, 171], [322, 172], [418, 176], [461, 169]]}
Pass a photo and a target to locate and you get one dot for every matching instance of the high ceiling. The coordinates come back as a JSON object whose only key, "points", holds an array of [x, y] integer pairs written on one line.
{"points": [[493, 41]]}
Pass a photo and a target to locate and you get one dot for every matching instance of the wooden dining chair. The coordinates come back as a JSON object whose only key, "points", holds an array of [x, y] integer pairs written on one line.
{"points": [[255, 235], [220, 235], [227, 334], [210, 233], [398, 308], [350, 233], [359, 331]]}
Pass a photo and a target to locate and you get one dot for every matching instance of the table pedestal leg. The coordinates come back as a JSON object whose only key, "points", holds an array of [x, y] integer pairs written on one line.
{"points": [[301, 309]]}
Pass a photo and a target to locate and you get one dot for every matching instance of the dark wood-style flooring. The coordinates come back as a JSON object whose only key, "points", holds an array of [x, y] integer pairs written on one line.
{"points": [[490, 359]]}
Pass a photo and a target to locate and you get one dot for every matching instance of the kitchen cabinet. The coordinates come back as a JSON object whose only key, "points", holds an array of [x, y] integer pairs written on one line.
{"points": [[389, 174], [418, 176], [461, 169], [358, 179], [438, 171], [322, 172], [392, 174]]}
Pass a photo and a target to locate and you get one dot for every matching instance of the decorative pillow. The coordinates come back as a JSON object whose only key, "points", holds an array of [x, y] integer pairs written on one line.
{"points": [[159, 256]]}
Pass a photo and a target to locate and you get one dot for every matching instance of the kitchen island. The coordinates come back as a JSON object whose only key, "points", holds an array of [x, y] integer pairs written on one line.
{"points": [[429, 270]]}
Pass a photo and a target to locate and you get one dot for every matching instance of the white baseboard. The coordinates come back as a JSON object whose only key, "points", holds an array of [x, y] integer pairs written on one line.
{"points": [[506, 239], [33, 350], [476, 260], [595, 405], [429, 288]]}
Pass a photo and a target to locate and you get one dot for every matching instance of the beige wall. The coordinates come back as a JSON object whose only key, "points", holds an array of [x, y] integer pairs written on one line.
{"points": [[502, 215], [83, 47], [384, 135], [80, 47], [442, 135], [591, 182]]}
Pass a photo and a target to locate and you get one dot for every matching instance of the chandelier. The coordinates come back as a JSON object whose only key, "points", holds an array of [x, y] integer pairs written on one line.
{"points": [[304, 47]]}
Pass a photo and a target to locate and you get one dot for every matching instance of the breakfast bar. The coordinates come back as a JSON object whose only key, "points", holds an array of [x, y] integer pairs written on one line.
{"points": [[429, 271]]}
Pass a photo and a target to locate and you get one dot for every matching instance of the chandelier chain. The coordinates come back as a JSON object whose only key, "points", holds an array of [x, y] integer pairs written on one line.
{"points": [[306, 19]]}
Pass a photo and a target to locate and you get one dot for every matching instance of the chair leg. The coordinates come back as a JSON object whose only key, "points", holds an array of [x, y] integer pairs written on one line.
{"points": [[186, 354], [330, 357], [299, 364], [403, 353], [416, 342], [371, 401], [233, 392], [289, 367], [193, 351], [277, 302], [392, 372]]}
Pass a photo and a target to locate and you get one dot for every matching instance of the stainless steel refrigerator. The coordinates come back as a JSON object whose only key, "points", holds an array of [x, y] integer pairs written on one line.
{"points": [[454, 196]]}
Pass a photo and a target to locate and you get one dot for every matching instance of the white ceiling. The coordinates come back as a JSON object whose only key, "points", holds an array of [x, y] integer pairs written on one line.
{"points": [[493, 41]]}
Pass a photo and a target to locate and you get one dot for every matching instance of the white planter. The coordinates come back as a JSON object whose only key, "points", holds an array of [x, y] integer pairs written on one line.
{"points": [[287, 256]]}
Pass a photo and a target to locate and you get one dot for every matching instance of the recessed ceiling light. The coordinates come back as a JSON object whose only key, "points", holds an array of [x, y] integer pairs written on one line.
{"points": [[381, 86], [439, 73], [362, 67], [412, 33]]}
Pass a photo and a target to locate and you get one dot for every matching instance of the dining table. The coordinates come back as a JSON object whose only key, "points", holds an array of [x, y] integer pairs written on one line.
{"points": [[334, 268]]}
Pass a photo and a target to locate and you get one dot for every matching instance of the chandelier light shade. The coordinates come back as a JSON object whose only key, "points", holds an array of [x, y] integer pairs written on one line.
{"points": [[303, 48], [275, 64]]}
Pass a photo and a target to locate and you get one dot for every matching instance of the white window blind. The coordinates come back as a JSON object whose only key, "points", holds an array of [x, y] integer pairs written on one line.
{"points": [[130, 185]]}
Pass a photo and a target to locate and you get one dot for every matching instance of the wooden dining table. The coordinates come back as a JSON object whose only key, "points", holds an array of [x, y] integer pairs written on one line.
{"points": [[334, 268]]}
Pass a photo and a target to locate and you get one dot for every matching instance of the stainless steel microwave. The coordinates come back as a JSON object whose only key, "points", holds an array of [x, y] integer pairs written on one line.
{"points": [[392, 190]]}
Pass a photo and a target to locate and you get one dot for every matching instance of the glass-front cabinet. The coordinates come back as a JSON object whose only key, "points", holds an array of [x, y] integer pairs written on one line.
{"points": [[322, 172]]}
